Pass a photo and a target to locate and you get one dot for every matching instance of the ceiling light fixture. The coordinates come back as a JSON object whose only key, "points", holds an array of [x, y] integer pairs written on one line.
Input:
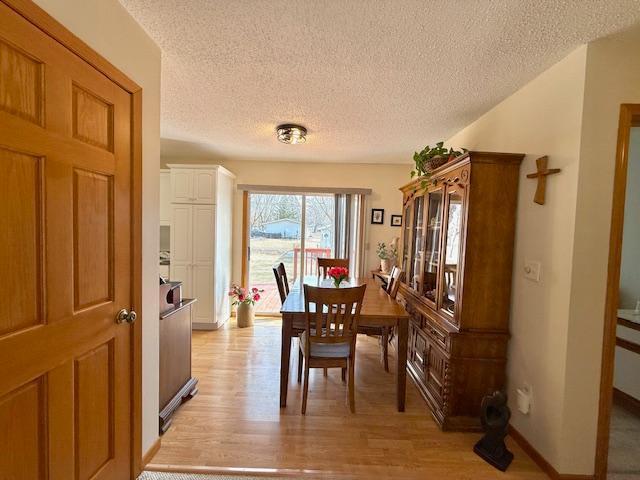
{"points": [[290, 133]]}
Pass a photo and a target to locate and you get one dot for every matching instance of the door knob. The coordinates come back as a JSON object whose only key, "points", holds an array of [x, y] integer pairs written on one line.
{"points": [[125, 316]]}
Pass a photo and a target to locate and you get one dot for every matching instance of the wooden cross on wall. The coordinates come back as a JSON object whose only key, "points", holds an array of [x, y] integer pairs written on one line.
{"points": [[541, 175]]}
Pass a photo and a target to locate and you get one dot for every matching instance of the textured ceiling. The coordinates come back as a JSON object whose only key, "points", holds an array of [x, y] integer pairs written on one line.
{"points": [[372, 80]]}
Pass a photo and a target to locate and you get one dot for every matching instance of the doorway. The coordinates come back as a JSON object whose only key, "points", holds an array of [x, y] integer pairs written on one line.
{"points": [[293, 228], [617, 451]]}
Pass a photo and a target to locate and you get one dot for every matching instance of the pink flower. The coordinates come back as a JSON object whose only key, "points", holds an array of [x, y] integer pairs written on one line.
{"points": [[338, 272], [256, 297], [254, 290], [241, 297]]}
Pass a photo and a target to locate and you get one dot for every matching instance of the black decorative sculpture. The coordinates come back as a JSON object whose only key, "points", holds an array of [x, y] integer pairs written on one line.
{"points": [[495, 417]]}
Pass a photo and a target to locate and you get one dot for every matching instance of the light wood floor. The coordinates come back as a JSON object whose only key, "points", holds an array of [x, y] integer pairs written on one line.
{"points": [[235, 420]]}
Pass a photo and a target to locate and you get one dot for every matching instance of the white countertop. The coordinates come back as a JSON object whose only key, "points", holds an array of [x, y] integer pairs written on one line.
{"points": [[629, 315]]}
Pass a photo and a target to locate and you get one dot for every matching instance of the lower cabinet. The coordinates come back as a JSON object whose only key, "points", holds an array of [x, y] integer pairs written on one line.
{"points": [[454, 373], [175, 381], [429, 366]]}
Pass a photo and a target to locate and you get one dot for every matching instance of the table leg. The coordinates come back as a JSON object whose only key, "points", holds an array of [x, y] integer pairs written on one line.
{"points": [[403, 340], [285, 354]]}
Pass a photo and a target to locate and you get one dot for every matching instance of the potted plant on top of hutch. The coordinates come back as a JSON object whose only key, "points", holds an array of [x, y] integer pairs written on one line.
{"points": [[457, 255]]}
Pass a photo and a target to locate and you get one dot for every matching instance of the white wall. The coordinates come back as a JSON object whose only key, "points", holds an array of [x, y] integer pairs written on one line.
{"points": [[384, 180], [570, 113], [630, 268], [612, 78], [542, 118], [109, 29]]}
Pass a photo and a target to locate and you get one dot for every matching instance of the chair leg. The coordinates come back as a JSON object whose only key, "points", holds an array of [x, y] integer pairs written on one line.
{"points": [[385, 349], [305, 388], [352, 398], [344, 374], [300, 362], [325, 371]]}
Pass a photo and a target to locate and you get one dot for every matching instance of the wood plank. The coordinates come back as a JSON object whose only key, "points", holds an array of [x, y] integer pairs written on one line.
{"points": [[235, 422]]}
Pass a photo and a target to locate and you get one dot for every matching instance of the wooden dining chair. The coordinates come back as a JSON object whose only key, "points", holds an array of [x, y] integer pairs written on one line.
{"points": [[281, 280], [324, 264], [394, 282], [385, 333], [329, 339]]}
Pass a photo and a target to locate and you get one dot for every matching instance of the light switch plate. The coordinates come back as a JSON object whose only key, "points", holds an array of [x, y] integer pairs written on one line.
{"points": [[532, 270]]}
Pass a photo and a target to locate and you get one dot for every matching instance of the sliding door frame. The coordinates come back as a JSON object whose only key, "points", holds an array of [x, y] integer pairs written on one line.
{"points": [[303, 193]]}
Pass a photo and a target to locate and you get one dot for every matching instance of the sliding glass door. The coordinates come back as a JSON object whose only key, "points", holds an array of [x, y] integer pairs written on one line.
{"points": [[275, 227], [319, 232], [297, 229]]}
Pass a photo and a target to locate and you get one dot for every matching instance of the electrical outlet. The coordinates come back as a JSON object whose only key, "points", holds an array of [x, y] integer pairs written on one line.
{"points": [[532, 270], [524, 399]]}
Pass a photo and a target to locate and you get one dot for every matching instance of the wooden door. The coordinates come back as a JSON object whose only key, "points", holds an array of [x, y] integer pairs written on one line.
{"points": [[66, 260]]}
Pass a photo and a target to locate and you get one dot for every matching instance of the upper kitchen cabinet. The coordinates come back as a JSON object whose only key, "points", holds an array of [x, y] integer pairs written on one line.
{"points": [[193, 184]]}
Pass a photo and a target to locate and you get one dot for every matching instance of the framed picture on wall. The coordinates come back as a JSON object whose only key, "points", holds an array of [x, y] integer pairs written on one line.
{"points": [[377, 216], [396, 220]]}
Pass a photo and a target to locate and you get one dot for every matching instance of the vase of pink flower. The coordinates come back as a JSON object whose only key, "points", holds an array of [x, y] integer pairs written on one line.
{"points": [[244, 300], [339, 274]]}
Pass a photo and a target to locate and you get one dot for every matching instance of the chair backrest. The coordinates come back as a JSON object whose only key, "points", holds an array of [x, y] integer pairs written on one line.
{"points": [[394, 282], [325, 264], [334, 315], [281, 280]]}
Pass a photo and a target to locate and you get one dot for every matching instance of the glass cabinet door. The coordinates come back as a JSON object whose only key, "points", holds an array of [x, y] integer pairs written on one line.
{"points": [[432, 246], [415, 266], [406, 235], [452, 243]]}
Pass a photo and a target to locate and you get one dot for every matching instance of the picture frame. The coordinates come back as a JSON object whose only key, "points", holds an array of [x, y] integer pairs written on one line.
{"points": [[396, 220], [377, 216]]}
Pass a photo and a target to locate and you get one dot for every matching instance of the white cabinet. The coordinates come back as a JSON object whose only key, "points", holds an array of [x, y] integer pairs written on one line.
{"points": [[193, 184], [201, 210], [165, 197], [204, 186]]}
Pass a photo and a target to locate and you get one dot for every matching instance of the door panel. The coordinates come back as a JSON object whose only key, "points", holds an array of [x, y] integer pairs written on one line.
{"points": [[204, 186], [93, 238], [203, 291], [203, 233], [21, 236], [181, 185], [65, 237], [181, 234], [22, 92], [182, 273], [94, 385], [21, 412]]}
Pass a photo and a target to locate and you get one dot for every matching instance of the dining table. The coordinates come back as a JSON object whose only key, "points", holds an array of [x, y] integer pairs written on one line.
{"points": [[378, 310]]}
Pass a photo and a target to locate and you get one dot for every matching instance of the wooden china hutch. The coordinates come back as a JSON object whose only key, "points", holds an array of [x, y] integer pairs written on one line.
{"points": [[457, 258]]}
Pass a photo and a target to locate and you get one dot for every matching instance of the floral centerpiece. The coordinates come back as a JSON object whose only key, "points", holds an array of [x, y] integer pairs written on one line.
{"points": [[338, 274], [244, 300]]}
